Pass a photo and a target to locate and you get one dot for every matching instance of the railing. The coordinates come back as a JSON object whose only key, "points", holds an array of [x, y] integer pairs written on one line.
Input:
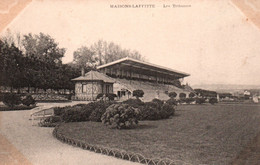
{"points": [[42, 114]]}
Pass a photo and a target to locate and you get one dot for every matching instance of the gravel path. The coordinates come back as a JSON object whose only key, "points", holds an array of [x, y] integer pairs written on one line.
{"points": [[39, 146]]}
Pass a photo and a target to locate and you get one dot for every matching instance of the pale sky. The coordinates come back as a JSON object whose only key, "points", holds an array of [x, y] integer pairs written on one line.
{"points": [[211, 40]]}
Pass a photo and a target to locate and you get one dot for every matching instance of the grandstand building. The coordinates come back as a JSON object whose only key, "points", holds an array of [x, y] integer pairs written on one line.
{"points": [[127, 75]]}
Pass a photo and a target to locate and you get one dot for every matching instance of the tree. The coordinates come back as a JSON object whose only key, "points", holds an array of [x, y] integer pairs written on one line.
{"points": [[191, 95], [12, 62], [45, 59], [172, 94], [43, 47], [138, 93], [85, 58], [109, 52], [182, 95]]}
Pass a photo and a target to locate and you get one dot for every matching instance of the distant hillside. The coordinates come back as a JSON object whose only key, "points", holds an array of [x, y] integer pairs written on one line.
{"points": [[226, 87]]}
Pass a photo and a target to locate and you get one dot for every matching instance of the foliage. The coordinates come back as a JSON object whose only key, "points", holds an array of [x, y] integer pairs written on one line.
{"points": [[38, 67], [149, 111], [213, 100], [167, 110], [172, 94], [205, 93], [158, 101], [11, 99], [138, 93], [191, 95], [108, 52], [200, 100], [76, 113], [172, 102], [110, 96], [50, 121], [28, 100], [100, 95], [58, 111], [99, 108], [182, 95], [136, 103], [120, 116], [187, 100], [85, 58], [157, 110]]}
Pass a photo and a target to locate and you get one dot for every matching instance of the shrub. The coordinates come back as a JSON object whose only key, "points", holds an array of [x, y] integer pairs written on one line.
{"points": [[172, 94], [11, 99], [76, 113], [150, 111], [29, 100], [50, 121], [187, 100], [138, 93], [120, 116], [98, 109], [111, 96], [200, 100], [58, 111], [136, 103], [213, 100], [100, 95], [156, 110], [191, 95], [172, 102], [167, 111], [182, 95], [158, 101]]}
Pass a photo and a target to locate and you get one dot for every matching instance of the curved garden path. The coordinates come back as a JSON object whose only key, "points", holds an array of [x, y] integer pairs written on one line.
{"points": [[22, 143]]}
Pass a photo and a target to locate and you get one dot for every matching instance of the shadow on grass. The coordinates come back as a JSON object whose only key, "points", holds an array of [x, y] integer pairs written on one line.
{"points": [[16, 108]]}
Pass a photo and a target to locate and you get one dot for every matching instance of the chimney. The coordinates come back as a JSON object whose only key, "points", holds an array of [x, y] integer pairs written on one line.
{"points": [[82, 72]]}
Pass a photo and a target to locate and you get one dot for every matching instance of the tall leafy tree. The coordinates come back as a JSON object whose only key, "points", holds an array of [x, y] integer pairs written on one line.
{"points": [[85, 58], [43, 47], [109, 51]]}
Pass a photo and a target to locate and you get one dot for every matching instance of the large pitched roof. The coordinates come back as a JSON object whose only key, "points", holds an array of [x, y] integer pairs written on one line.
{"points": [[94, 76], [144, 65]]}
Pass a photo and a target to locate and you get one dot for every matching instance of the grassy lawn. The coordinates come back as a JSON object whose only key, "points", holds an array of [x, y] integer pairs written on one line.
{"points": [[198, 134]]}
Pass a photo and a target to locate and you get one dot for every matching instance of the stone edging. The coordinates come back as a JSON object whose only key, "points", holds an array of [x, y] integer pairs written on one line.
{"points": [[134, 157]]}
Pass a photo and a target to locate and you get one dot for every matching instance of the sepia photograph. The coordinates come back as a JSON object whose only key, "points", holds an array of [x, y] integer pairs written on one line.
{"points": [[128, 82]]}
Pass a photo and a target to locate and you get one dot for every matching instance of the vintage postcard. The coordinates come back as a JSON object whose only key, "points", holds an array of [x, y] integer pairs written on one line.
{"points": [[129, 82]]}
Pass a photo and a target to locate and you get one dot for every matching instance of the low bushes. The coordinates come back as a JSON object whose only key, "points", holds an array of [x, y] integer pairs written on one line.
{"points": [[50, 121], [75, 114], [154, 110], [99, 108], [187, 100], [172, 102], [28, 100], [158, 101], [172, 94], [213, 100], [110, 96], [11, 99], [120, 116], [200, 100], [138, 93], [136, 103], [83, 112]]}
